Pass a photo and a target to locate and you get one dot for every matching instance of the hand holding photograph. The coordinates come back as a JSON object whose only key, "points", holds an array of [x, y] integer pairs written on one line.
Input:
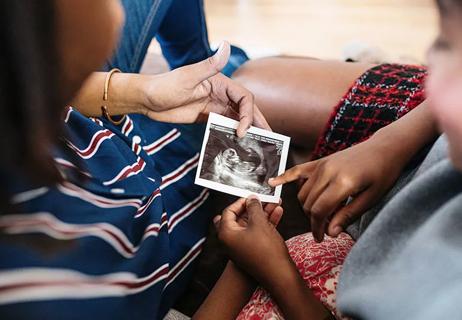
{"points": [[241, 166]]}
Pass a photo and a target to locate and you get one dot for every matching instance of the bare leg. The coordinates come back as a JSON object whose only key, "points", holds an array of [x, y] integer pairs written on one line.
{"points": [[297, 95]]}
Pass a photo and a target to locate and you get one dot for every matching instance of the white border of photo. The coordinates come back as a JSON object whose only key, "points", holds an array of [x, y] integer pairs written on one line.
{"points": [[230, 123]]}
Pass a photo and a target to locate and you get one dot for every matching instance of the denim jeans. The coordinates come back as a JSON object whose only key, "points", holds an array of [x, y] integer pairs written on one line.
{"points": [[180, 29]]}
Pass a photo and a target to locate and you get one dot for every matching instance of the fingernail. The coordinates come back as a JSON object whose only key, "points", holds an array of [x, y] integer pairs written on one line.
{"points": [[272, 182], [337, 230], [240, 132], [221, 46], [252, 199]]}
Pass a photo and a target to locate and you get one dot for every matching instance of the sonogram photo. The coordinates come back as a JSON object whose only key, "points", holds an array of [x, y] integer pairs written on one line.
{"points": [[245, 163]]}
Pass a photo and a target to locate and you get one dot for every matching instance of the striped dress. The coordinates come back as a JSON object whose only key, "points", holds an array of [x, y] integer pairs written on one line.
{"points": [[130, 231]]}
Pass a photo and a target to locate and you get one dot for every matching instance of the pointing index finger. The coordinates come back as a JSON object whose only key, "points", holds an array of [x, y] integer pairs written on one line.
{"points": [[294, 173]]}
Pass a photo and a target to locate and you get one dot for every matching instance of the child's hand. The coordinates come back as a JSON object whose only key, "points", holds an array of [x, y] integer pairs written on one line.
{"points": [[248, 231], [364, 172]]}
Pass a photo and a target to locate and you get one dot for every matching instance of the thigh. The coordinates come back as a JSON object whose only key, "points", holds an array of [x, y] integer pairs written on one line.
{"points": [[297, 95], [179, 26], [142, 21], [183, 33], [184, 39]]}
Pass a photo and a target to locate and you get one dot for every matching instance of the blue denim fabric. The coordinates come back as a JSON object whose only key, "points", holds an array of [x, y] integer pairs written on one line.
{"points": [[142, 20], [180, 28]]}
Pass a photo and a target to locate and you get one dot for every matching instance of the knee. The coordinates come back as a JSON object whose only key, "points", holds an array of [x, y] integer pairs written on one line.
{"points": [[251, 71], [254, 75], [244, 73]]}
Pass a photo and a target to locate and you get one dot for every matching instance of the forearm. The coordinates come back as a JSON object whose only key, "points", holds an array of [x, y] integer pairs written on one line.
{"points": [[409, 134], [294, 298], [229, 295], [126, 94]]}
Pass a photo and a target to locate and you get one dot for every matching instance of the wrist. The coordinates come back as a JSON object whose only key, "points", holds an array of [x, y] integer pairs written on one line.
{"points": [[396, 144], [406, 136], [151, 98], [232, 269], [293, 296], [286, 276], [127, 94]]}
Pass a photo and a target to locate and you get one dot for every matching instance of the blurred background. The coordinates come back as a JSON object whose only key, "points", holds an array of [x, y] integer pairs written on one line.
{"points": [[329, 29]]}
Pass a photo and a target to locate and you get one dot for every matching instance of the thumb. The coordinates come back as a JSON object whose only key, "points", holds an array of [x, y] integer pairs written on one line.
{"points": [[255, 210], [211, 66]]}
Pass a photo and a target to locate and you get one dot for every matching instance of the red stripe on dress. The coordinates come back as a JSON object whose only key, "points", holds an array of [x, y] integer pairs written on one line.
{"points": [[75, 191], [144, 207], [70, 165], [162, 142], [128, 171], [97, 121], [134, 284], [145, 283], [45, 222], [187, 210], [115, 284], [128, 126], [185, 261], [179, 172], [94, 144]]}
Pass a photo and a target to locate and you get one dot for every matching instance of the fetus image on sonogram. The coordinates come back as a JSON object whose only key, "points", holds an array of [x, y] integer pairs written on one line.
{"points": [[245, 163]]}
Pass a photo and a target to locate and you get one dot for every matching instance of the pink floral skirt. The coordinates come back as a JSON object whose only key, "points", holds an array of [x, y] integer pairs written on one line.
{"points": [[319, 265]]}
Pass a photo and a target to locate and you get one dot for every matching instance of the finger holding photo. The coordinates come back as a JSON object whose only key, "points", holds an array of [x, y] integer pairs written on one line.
{"points": [[241, 166], [190, 93]]}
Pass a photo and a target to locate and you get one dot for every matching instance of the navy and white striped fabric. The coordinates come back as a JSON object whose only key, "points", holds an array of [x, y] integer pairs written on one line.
{"points": [[132, 229]]}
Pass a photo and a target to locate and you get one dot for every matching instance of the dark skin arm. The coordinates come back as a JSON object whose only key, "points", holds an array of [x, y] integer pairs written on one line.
{"points": [[378, 162], [235, 287], [295, 299], [229, 295], [249, 245], [312, 88]]}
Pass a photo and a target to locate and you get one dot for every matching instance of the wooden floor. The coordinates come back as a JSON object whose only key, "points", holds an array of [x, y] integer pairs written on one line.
{"points": [[322, 28]]}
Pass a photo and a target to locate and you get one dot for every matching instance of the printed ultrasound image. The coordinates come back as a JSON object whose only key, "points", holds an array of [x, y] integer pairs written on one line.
{"points": [[245, 163]]}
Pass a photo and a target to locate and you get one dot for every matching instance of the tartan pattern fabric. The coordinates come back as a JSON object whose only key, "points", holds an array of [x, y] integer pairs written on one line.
{"points": [[380, 96]]}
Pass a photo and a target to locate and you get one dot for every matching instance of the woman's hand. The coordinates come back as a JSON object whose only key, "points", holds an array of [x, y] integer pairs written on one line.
{"points": [[235, 287], [249, 233], [364, 172], [190, 93], [184, 95]]}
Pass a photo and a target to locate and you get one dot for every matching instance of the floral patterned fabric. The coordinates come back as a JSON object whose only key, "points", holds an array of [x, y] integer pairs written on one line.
{"points": [[319, 265]]}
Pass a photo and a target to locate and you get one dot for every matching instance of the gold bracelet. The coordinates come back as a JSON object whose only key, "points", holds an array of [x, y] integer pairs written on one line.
{"points": [[105, 98]]}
